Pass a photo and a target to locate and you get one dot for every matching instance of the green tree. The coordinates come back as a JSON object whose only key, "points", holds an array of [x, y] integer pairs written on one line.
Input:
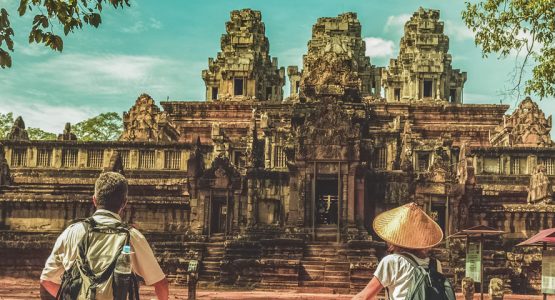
{"points": [[525, 27], [49, 14], [104, 127], [39, 134], [6, 123]]}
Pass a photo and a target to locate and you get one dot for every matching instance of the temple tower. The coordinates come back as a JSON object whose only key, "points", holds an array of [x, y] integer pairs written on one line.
{"points": [[423, 69], [244, 70], [335, 63]]}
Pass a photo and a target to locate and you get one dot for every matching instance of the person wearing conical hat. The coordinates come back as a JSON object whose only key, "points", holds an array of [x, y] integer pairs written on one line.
{"points": [[410, 234]]}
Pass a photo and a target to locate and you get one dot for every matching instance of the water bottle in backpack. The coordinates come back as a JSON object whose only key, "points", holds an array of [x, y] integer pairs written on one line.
{"points": [[122, 274]]}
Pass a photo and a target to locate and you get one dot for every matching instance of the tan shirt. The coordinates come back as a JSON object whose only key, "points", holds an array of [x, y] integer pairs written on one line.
{"points": [[65, 252]]}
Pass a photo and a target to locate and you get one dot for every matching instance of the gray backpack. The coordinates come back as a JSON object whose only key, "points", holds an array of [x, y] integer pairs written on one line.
{"points": [[428, 283], [91, 275]]}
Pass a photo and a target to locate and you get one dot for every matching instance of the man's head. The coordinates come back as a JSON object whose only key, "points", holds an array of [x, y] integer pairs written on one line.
{"points": [[110, 192]]}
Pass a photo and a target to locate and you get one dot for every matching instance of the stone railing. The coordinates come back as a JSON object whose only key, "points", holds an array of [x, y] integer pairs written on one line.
{"points": [[96, 155]]}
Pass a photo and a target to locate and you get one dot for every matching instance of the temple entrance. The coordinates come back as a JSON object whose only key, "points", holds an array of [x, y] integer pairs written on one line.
{"points": [[326, 201], [218, 216], [438, 212]]}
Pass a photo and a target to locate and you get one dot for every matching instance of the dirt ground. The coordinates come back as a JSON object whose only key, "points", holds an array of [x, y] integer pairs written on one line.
{"points": [[12, 288]]}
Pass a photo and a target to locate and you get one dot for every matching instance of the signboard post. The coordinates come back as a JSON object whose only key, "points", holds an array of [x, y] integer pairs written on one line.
{"points": [[192, 278], [548, 272], [474, 261]]}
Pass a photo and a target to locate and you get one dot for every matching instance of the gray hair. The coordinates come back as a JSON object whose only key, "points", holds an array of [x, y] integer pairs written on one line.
{"points": [[110, 191]]}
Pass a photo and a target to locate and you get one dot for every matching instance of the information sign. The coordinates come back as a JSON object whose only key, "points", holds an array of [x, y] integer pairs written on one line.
{"points": [[474, 261]]}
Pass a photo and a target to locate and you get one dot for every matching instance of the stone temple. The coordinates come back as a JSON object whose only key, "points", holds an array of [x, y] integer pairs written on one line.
{"points": [[269, 191]]}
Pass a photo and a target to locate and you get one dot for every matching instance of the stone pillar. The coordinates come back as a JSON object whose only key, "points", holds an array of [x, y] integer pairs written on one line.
{"points": [[250, 202], [133, 159], [56, 157], [437, 83], [351, 196], [531, 163], [360, 196], [236, 211], [82, 155], [32, 156]]}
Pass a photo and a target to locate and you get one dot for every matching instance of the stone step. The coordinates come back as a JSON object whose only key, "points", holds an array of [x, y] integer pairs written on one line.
{"points": [[210, 264], [213, 252], [336, 278], [313, 260], [329, 268], [212, 258], [278, 284], [280, 277], [313, 268], [337, 273], [316, 290], [311, 277], [328, 284]]}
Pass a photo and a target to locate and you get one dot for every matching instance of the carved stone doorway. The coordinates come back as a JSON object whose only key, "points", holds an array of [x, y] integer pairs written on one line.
{"points": [[327, 198], [218, 215], [437, 209]]}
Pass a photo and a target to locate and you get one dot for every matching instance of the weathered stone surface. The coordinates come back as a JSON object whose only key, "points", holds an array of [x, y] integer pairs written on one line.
{"points": [[526, 127], [540, 187], [67, 135], [244, 69], [423, 69], [496, 289], [116, 163], [282, 194], [5, 176], [18, 131], [335, 64], [145, 122], [467, 287]]}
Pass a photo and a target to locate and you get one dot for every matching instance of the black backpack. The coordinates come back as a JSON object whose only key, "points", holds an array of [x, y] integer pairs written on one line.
{"points": [[428, 283], [80, 281]]}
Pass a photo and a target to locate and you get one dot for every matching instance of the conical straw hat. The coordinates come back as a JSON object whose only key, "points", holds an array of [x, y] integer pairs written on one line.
{"points": [[408, 226]]}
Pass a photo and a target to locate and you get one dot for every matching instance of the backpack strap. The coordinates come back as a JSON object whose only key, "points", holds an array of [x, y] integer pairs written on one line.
{"points": [[410, 259], [91, 225], [432, 265]]}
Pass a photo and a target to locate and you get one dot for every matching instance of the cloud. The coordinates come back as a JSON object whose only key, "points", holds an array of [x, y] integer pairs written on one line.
{"points": [[140, 26], [155, 24], [100, 74], [33, 50], [396, 24], [51, 118], [378, 47], [457, 31]]}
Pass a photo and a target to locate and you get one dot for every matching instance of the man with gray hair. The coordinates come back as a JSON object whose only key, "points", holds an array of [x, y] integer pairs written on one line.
{"points": [[77, 249]]}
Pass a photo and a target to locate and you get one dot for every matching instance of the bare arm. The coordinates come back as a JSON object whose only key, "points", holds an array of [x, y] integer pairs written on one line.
{"points": [[161, 288], [51, 287], [370, 291]]}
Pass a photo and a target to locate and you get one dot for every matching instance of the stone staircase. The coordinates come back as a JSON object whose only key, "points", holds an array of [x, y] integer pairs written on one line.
{"points": [[326, 233], [325, 266], [210, 267]]}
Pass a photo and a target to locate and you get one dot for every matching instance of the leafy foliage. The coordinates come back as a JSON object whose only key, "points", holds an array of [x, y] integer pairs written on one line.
{"points": [[518, 26], [39, 134], [69, 14], [6, 123], [104, 127]]}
